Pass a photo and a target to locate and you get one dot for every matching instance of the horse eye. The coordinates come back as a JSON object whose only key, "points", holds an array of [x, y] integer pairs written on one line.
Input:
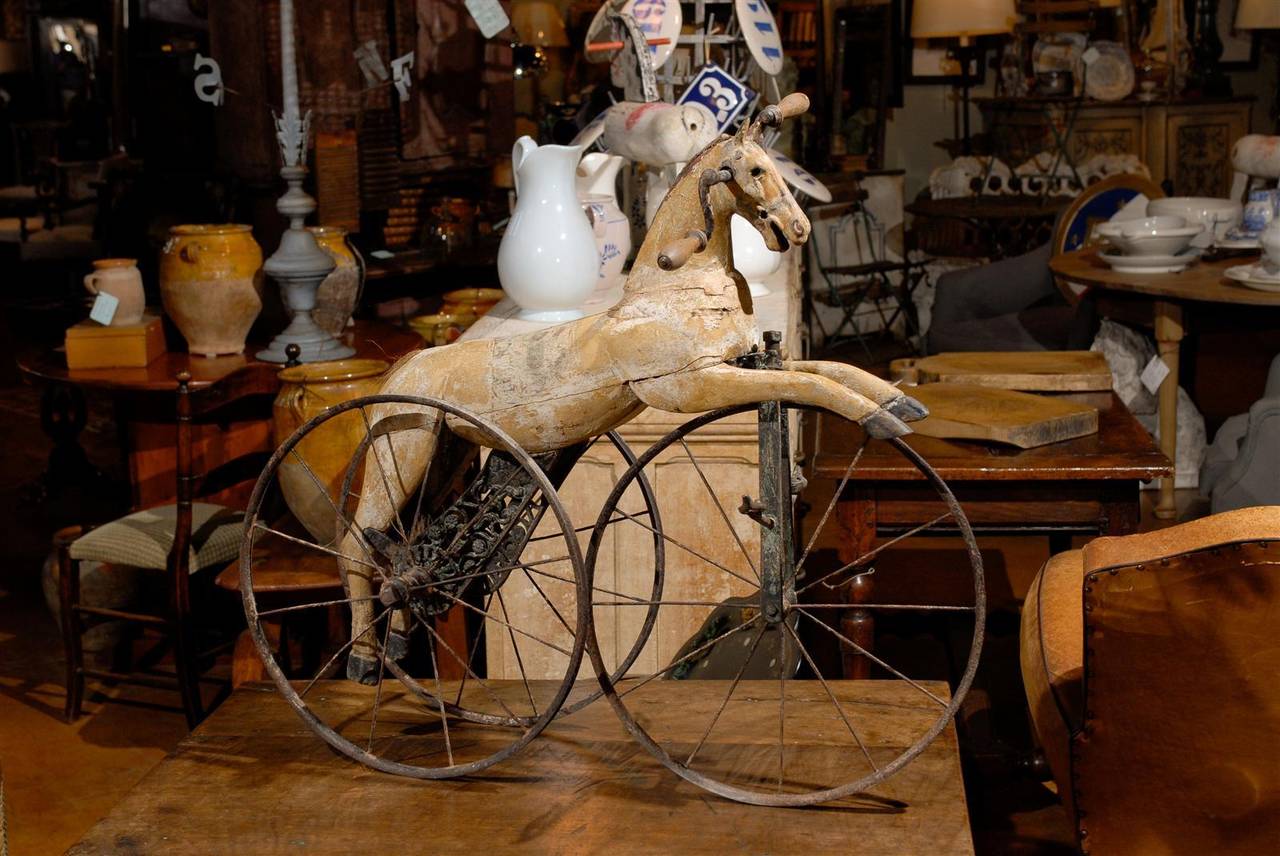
{"points": [[756, 172]]}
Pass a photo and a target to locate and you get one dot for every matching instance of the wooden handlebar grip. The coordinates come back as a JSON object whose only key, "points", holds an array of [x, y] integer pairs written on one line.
{"points": [[794, 105], [674, 256]]}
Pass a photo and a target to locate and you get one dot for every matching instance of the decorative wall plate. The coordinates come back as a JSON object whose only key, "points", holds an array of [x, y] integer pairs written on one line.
{"points": [[1110, 76], [796, 176], [760, 32]]}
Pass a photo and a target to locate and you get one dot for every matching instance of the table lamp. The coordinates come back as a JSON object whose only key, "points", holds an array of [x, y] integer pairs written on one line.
{"points": [[948, 19]]}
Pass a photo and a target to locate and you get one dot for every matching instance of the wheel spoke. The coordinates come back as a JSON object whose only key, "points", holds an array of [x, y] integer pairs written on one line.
{"points": [[467, 666], [382, 671], [546, 599], [444, 718], [259, 525], [844, 480], [755, 643], [345, 522], [636, 520], [872, 657], [345, 647], [490, 617], [577, 531], [724, 515], [514, 647], [687, 657], [301, 606], [871, 554], [804, 652], [640, 602], [471, 658]]}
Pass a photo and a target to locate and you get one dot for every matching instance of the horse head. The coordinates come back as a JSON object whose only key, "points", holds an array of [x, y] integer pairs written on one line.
{"points": [[752, 179]]}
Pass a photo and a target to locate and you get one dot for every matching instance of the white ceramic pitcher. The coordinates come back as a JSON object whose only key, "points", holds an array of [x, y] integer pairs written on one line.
{"points": [[119, 278], [548, 261], [597, 191]]}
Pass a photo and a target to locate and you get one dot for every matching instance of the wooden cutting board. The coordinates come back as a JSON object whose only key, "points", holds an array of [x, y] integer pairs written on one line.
{"points": [[1029, 371], [967, 412]]}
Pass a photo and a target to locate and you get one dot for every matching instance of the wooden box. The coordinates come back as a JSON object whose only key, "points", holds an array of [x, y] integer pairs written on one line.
{"points": [[92, 346]]}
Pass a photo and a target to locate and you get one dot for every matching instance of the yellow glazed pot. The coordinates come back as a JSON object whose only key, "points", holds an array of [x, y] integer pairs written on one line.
{"points": [[211, 285], [471, 301], [339, 294], [307, 390]]}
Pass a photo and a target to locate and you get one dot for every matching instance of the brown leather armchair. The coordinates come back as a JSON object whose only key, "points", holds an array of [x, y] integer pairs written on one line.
{"points": [[1152, 669]]}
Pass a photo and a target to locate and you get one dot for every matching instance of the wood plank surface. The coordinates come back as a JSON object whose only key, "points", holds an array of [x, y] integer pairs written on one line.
{"points": [[965, 412], [1028, 371], [254, 779], [1121, 449]]}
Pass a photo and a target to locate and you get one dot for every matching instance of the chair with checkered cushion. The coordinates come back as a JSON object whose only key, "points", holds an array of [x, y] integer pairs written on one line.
{"points": [[181, 541]]}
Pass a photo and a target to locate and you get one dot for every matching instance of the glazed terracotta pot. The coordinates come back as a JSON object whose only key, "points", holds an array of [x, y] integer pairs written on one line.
{"points": [[211, 285], [470, 301], [119, 278], [339, 294], [306, 391]]}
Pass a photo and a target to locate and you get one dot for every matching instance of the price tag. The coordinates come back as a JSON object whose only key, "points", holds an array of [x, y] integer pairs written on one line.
{"points": [[489, 16], [1090, 56], [1154, 374], [104, 308]]}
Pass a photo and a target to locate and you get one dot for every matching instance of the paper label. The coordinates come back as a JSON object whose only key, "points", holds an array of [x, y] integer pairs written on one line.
{"points": [[1154, 374], [104, 308], [1090, 56], [489, 16]]}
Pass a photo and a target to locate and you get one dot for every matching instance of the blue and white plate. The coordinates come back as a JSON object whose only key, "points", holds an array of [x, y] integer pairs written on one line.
{"points": [[796, 176]]}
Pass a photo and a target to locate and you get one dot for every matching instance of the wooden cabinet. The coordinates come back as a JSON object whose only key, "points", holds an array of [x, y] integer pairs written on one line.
{"points": [[728, 455], [1187, 142]]}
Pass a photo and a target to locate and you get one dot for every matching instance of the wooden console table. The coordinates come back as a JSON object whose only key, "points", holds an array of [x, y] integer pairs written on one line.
{"points": [[1084, 486], [253, 779]]}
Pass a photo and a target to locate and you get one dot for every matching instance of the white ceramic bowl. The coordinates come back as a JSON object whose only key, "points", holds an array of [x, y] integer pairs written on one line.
{"points": [[1153, 236], [751, 256], [1216, 215]]}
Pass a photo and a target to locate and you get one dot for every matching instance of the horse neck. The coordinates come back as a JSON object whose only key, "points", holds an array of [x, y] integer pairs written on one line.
{"points": [[679, 214]]}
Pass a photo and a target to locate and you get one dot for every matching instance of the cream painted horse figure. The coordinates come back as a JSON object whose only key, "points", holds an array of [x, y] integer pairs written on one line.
{"points": [[685, 316]]}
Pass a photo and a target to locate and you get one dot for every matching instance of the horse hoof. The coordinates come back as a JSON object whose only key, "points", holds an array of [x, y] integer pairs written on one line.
{"points": [[907, 409], [397, 646], [882, 425], [362, 670]]}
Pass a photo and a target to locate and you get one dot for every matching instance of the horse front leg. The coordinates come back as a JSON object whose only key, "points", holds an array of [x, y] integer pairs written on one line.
{"points": [[883, 393], [394, 467], [723, 385]]}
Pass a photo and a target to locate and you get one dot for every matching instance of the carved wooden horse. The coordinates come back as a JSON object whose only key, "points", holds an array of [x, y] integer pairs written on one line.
{"points": [[670, 343]]}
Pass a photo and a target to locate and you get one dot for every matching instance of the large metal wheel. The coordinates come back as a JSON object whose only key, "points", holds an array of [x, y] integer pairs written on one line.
{"points": [[745, 609], [459, 544], [480, 545]]}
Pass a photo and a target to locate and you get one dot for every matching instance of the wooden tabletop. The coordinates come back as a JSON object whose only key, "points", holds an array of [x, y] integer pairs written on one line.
{"points": [[371, 339], [1122, 449], [254, 779], [1204, 281]]}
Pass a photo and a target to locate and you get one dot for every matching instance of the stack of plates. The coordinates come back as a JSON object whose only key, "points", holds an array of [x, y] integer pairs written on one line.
{"points": [[1255, 276], [1121, 263]]}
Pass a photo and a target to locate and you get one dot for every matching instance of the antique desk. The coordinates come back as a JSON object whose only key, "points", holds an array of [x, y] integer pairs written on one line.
{"points": [[1171, 295], [1086, 486], [253, 779]]}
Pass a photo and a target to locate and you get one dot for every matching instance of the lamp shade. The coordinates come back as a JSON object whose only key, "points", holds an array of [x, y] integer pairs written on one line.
{"points": [[539, 23], [1258, 15], [938, 19]]}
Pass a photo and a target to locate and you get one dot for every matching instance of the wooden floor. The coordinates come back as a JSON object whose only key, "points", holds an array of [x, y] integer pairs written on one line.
{"points": [[254, 779]]}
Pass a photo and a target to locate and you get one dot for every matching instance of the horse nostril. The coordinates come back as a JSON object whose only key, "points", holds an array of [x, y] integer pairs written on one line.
{"points": [[797, 228]]}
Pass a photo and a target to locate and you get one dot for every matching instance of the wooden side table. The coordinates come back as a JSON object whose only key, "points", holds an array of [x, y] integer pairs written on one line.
{"points": [[1086, 486]]}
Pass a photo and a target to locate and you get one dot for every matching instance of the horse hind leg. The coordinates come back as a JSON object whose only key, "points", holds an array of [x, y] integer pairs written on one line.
{"points": [[394, 467]]}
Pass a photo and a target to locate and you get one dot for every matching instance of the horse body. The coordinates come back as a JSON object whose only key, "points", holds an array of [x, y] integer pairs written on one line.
{"points": [[669, 343]]}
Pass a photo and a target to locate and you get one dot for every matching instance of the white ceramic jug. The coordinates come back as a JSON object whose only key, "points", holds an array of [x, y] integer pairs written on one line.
{"points": [[119, 278], [548, 261]]}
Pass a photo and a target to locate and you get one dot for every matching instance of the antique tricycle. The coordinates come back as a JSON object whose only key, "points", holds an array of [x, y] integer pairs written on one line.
{"points": [[451, 505]]}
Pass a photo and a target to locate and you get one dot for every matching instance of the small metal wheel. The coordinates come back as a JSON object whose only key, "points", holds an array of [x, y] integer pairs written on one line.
{"points": [[473, 561], [454, 552], [743, 605]]}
